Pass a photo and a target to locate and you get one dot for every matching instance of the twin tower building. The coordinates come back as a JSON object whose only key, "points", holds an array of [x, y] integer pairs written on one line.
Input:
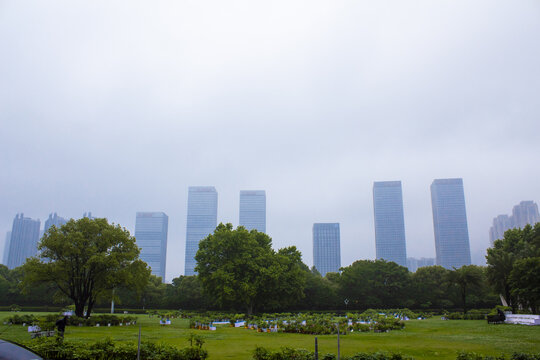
{"points": [[151, 227]]}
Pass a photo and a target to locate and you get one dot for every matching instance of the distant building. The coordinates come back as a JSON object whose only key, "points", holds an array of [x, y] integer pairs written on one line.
{"points": [[253, 210], [526, 212], [326, 247], [6, 248], [151, 234], [55, 220], [201, 221], [389, 222], [88, 215], [24, 240], [414, 264], [450, 223]]}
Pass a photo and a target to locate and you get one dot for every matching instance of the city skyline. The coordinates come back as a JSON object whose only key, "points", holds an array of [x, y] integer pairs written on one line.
{"points": [[390, 243], [425, 91], [452, 247]]}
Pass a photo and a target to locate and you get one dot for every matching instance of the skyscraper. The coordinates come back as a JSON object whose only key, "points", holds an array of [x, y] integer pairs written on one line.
{"points": [[450, 223], [526, 212], [24, 240], [201, 221], [6, 248], [253, 210], [326, 247], [151, 234], [55, 220], [389, 222], [500, 224]]}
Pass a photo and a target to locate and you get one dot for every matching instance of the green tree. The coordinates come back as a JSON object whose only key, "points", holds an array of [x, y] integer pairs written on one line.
{"points": [[86, 259], [525, 282], [375, 284], [465, 278], [187, 293], [517, 244], [430, 287], [238, 267]]}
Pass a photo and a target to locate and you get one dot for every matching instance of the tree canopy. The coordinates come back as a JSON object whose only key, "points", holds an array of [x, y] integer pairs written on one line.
{"points": [[239, 268], [514, 265], [86, 259]]}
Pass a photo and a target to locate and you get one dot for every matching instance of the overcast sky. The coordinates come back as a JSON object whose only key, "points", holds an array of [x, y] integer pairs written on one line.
{"points": [[117, 107]]}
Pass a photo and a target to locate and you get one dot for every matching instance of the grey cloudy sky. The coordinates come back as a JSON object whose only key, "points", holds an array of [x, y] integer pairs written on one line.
{"points": [[116, 107]]}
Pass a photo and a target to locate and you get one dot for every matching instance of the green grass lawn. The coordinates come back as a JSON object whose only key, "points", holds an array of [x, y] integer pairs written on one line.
{"points": [[422, 339]]}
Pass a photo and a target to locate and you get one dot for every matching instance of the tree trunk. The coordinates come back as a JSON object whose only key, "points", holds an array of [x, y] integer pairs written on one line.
{"points": [[79, 308], [464, 300], [90, 307]]}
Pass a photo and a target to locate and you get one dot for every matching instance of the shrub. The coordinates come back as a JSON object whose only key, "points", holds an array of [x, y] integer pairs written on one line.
{"points": [[56, 349]]}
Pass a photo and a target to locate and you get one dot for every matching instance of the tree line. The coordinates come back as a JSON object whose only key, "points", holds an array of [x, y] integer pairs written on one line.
{"points": [[238, 270]]}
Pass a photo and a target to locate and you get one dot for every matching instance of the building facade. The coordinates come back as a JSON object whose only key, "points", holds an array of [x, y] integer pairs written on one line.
{"points": [[24, 240], [526, 212], [201, 221], [389, 222], [151, 235], [450, 223], [326, 247], [6, 248], [253, 210], [414, 264], [55, 220]]}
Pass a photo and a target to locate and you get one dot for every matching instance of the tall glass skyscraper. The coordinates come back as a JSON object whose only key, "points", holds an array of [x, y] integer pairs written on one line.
{"points": [[389, 222], [151, 234], [450, 223], [55, 220], [326, 247], [201, 221], [253, 210], [24, 240]]}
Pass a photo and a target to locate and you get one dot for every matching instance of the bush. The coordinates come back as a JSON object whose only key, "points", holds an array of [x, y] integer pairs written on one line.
{"points": [[56, 349], [286, 353]]}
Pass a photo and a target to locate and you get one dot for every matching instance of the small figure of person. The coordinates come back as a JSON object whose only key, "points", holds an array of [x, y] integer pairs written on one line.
{"points": [[61, 324]]}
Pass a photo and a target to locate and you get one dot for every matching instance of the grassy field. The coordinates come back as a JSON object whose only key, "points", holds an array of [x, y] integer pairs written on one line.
{"points": [[422, 339]]}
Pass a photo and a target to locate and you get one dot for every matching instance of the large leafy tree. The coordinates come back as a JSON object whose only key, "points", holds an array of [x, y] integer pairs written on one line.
{"points": [[525, 282], [503, 257], [375, 284], [430, 287], [86, 259], [238, 267], [465, 278]]}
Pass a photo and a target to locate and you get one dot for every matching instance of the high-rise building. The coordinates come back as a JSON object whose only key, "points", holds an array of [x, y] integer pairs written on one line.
{"points": [[24, 240], [326, 247], [6, 248], [88, 215], [389, 222], [55, 220], [201, 221], [151, 234], [526, 212], [450, 223], [500, 224], [414, 264], [253, 210]]}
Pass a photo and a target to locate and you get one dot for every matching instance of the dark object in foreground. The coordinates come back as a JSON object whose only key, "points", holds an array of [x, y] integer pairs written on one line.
{"points": [[496, 319], [11, 351]]}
